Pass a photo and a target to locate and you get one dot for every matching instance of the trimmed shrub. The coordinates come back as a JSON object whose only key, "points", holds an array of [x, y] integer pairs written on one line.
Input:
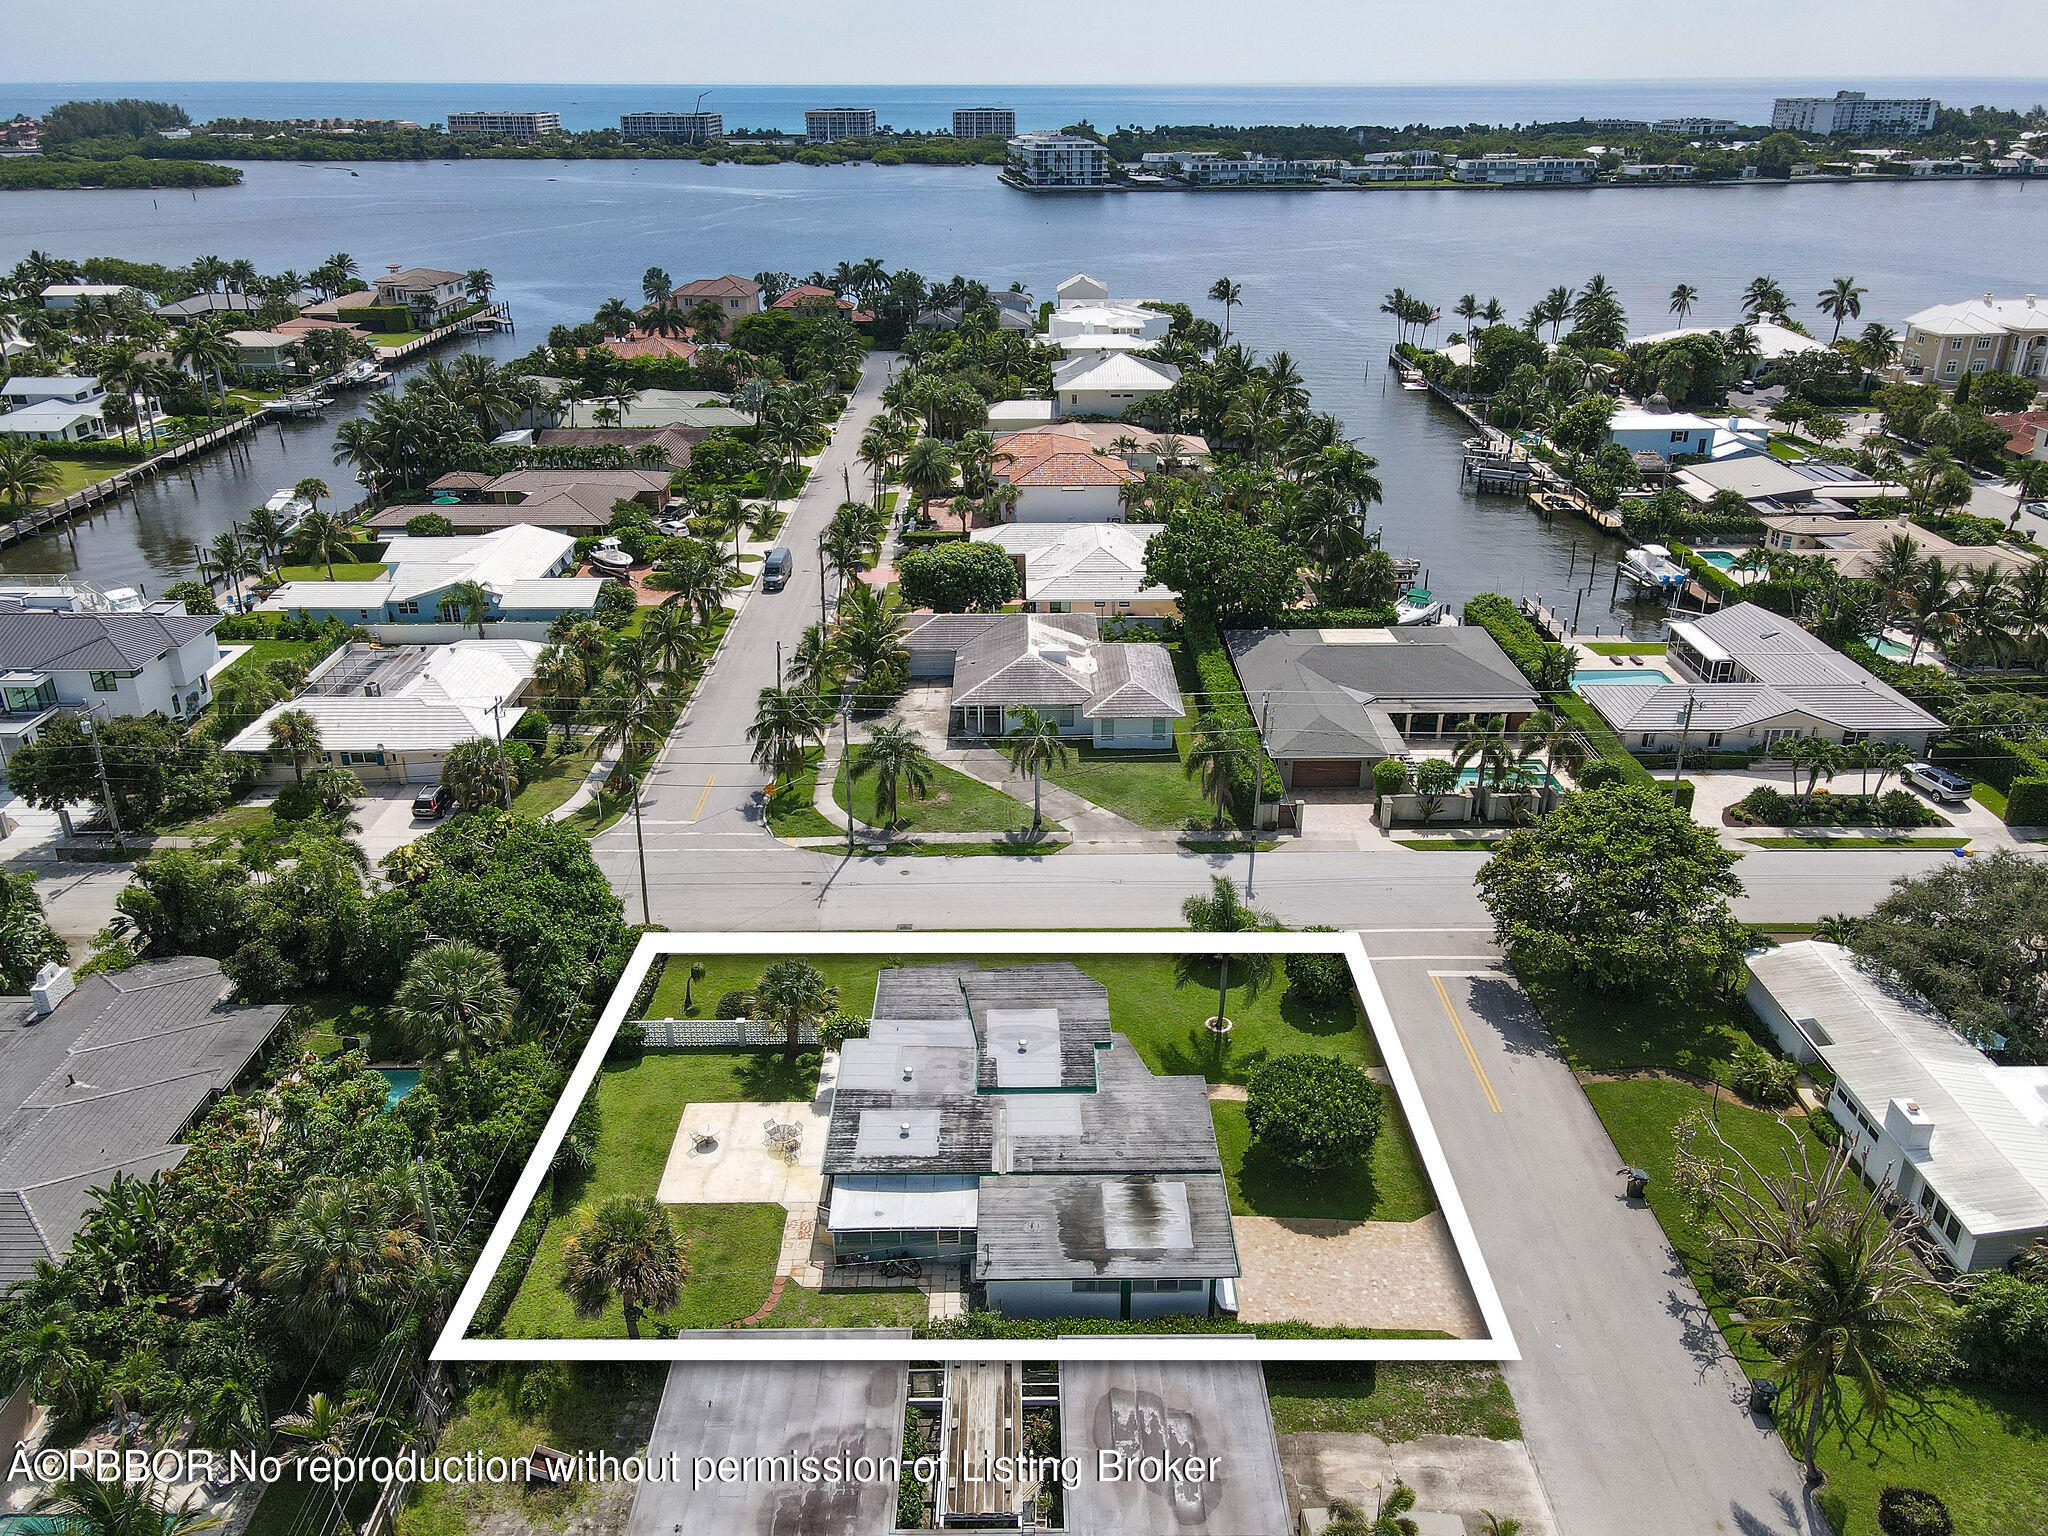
{"points": [[2026, 803], [1313, 1112], [958, 578], [1912, 1512], [1205, 648], [1586, 720], [1343, 618], [1682, 793], [1761, 1077], [1389, 777], [429, 525], [2002, 1332], [381, 318], [1500, 618], [1765, 806], [1319, 980]]}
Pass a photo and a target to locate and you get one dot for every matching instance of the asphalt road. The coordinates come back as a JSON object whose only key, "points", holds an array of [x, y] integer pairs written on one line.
{"points": [[1635, 1414]]}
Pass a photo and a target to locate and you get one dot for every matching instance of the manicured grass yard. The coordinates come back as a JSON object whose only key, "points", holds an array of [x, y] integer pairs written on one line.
{"points": [[344, 570], [1148, 788], [324, 1017], [1984, 1452], [957, 803], [231, 820], [1389, 1186], [792, 814], [74, 475], [1695, 1035], [1391, 1399], [554, 781], [1626, 647], [261, 651], [1163, 1021], [1991, 797]]}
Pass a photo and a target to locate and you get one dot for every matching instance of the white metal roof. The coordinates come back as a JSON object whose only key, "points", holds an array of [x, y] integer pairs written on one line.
{"points": [[1079, 562], [447, 700], [1988, 1158], [1114, 370], [879, 1202], [1982, 317]]}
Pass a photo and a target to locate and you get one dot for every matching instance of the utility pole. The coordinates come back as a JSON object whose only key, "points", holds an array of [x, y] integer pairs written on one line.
{"points": [[1251, 866], [846, 756], [846, 482], [822, 623], [1684, 730], [778, 666], [99, 761], [498, 729]]}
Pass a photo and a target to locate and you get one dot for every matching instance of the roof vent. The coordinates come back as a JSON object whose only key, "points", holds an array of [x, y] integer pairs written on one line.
{"points": [[906, 1074], [52, 985], [903, 1129], [1023, 1045]]}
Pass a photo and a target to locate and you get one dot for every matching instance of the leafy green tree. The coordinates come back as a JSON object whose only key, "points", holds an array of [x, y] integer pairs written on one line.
{"points": [[894, 756], [1222, 567], [1313, 1112], [624, 1247], [27, 942], [454, 997], [1617, 889], [957, 578]]}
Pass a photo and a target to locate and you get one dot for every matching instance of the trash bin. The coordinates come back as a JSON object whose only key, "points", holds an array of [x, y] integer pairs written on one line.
{"points": [[1762, 1394], [1636, 1182]]}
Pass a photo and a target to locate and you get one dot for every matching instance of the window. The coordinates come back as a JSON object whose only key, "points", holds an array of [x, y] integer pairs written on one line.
{"points": [[1160, 731], [409, 608], [1647, 739], [1713, 740], [105, 682], [350, 758], [1107, 728], [1098, 1287], [1949, 367]]}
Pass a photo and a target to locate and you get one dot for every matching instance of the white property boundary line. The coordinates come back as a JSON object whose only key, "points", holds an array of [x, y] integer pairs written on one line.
{"points": [[764, 1344]]}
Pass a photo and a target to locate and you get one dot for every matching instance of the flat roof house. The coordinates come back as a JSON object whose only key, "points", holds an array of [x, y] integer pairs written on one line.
{"points": [[996, 1119], [101, 1079], [522, 568], [1751, 678], [1096, 568], [391, 713], [1115, 694], [1336, 701], [1961, 1139]]}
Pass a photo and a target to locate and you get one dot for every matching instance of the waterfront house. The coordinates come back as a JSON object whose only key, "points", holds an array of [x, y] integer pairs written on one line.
{"points": [[59, 408], [523, 569], [1962, 1141], [198, 306], [1332, 702], [995, 1119], [1946, 341], [1675, 434], [1115, 695], [262, 351], [1774, 343], [340, 308], [99, 1076], [572, 501], [734, 296], [71, 295], [390, 714], [1108, 384], [663, 408], [1096, 568], [1851, 543], [811, 299], [638, 343], [1769, 484], [431, 294], [1747, 678], [1082, 309], [672, 443], [153, 660], [1061, 478]]}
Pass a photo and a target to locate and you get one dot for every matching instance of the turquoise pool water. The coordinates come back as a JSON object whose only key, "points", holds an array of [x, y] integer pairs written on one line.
{"points": [[402, 1080], [1719, 559], [1891, 648], [1467, 777], [1620, 675]]}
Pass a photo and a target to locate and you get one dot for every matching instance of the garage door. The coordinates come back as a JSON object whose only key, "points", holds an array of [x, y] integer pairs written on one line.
{"points": [[422, 770], [931, 663], [1325, 773]]}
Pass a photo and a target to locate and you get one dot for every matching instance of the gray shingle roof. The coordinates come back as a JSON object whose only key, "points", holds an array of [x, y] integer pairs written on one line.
{"points": [[1050, 661], [1114, 1226], [37, 640], [102, 1085]]}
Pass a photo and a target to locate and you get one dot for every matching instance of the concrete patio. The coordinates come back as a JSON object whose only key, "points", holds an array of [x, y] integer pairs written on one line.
{"points": [[736, 1166], [1355, 1274]]}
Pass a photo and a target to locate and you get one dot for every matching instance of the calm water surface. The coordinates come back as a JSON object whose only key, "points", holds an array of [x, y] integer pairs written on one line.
{"points": [[562, 236]]}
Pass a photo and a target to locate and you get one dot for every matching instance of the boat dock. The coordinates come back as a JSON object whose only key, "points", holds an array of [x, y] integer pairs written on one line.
{"points": [[494, 317], [119, 482]]}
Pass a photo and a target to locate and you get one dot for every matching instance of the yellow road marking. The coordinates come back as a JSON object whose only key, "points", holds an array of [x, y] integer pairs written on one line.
{"points": [[1465, 1040], [699, 811]]}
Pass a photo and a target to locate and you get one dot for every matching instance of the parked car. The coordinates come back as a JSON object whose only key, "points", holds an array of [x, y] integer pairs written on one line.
{"points": [[776, 568], [431, 801], [1938, 783]]}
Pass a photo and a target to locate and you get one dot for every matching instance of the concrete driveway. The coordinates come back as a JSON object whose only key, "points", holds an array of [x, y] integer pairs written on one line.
{"points": [[385, 812]]}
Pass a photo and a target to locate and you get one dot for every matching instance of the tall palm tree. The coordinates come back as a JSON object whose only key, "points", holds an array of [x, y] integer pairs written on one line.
{"points": [[634, 717], [1212, 759], [2029, 481], [204, 347], [1931, 599], [466, 603], [1878, 346], [1229, 293], [560, 676], [295, 736], [788, 724], [1820, 757], [1224, 910], [624, 1247], [928, 470], [1683, 298], [672, 640], [454, 998], [1467, 310], [895, 757], [312, 490], [320, 537], [1842, 300], [1033, 745]]}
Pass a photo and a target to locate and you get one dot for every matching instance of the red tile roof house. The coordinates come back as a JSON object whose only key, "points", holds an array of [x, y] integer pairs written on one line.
{"points": [[1061, 479], [809, 298], [638, 343], [735, 296], [2026, 433]]}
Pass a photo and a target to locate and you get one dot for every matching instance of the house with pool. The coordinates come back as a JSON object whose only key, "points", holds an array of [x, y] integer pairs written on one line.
{"points": [[996, 1120], [1747, 678]]}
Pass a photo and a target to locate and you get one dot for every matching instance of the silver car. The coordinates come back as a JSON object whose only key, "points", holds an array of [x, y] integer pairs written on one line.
{"points": [[1938, 783]]}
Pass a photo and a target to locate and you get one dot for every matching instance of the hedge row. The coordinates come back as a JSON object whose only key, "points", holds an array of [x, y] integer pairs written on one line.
{"points": [[992, 1325], [1513, 633], [1225, 698], [1710, 576], [1922, 684], [2017, 768], [497, 1299], [1586, 720], [1343, 618]]}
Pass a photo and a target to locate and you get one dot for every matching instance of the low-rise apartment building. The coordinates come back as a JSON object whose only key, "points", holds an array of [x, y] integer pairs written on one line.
{"points": [[984, 122], [519, 126], [1056, 160], [1526, 170], [1204, 168], [678, 127], [1697, 127], [1986, 335], [1396, 165], [824, 124]]}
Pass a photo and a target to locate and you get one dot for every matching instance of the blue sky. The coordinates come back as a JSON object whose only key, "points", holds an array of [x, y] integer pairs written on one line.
{"points": [[936, 41]]}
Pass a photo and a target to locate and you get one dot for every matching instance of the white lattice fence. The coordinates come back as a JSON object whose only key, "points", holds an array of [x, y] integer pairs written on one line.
{"points": [[672, 1034]]}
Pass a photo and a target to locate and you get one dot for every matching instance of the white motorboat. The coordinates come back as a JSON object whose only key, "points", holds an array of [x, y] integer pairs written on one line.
{"points": [[1651, 568], [298, 405], [610, 556], [1418, 605]]}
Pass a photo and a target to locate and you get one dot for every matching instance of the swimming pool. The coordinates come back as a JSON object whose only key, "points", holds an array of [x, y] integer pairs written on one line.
{"points": [[1887, 647], [400, 1081], [1467, 777], [1719, 559], [1619, 675]]}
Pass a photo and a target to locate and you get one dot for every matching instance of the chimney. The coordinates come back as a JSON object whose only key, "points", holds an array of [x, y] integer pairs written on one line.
{"points": [[52, 985], [1910, 1126]]}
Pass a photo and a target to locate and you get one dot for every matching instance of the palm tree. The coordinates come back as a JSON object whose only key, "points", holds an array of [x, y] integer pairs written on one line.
{"points": [[324, 1427], [1878, 346], [928, 470], [1467, 310], [788, 724], [320, 537], [1820, 757], [1845, 1308], [25, 475], [1842, 299], [2029, 481], [477, 284], [634, 717], [1683, 298], [1229, 294], [91, 1506], [1224, 910], [895, 756], [656, 285], [793, 994], [349, 1255], [624, 1247], [671, 640], [1033, 745], [42, 1352], [205, 348], [1931, 598], [465, 603], [228, 560], [312, 490], [453, 998], [295, 735], [1212, 758]]}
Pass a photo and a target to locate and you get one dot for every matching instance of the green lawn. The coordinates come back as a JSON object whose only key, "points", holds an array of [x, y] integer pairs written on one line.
{"points": [[344, 570], [260, 652], [1626, 647], [731, 1248], [1164, 1021], [1791, 453], [1985, 1453], [1991, 797], [1857, 844], [1449, 844], [1694, 1034], [792, 813], [74, 475], [324, 1017], [1388, 1186], [230, 821], [957, 803], [1393, 1400], [1143, 786], [554, 781]]}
